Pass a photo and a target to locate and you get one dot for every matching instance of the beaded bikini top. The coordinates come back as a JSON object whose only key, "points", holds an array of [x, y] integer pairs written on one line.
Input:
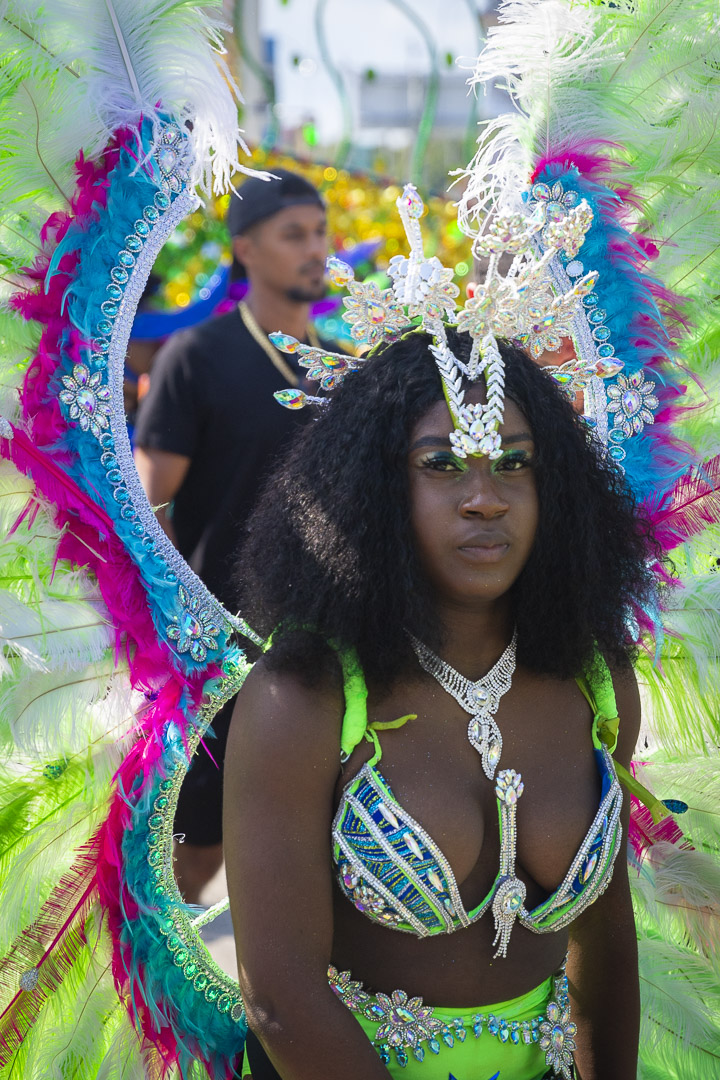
{"points": [[393, 871]]}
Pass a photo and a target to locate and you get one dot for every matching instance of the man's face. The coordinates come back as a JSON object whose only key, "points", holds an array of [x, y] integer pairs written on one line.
{"points": [[286, 253]]}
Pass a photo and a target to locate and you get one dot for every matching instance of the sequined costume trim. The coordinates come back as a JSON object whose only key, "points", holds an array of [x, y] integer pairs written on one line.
{"points": [[406, 1026], [392, 870]]}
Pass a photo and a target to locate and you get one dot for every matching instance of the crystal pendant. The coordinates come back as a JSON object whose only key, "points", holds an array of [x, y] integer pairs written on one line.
{"points": [[291, 399], [334, 362], [480, 695], [339, 272], [631, 402], [284, 342], [587, 870], [412, 201], [413, 845], [434, 880], [388, 815], [605, 369], [167, 160], [375, 312]]}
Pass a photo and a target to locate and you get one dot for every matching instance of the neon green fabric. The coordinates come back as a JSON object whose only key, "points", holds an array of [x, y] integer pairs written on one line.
{"points": [[354, 723], [477, 1058], [597, 687]]}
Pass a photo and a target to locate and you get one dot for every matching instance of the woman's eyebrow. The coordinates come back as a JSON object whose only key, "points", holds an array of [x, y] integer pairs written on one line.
{"points": [[522, 436], [431, 440]]}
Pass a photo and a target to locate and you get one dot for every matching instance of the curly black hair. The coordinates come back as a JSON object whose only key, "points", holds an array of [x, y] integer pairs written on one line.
{"points": [[330, 558]]}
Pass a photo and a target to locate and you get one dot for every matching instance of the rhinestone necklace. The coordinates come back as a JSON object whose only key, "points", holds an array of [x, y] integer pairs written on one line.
{"points": [[481, 699]]}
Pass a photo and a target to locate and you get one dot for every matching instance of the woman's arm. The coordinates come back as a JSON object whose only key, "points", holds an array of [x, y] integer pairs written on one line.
{"points": [[602, 966], [280, 772]]}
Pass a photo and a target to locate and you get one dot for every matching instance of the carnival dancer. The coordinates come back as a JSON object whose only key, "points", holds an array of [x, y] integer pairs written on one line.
{"points": [[455, 758], [435, 699]]}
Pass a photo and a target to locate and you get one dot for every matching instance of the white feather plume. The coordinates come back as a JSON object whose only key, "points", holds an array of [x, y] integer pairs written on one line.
{"points": [[65, 704], [680, 1005], [61, 633], [117, 61], [640, 77]]}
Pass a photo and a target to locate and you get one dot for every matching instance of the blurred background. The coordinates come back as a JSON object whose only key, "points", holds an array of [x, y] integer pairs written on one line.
{"points": [[360, 96]]}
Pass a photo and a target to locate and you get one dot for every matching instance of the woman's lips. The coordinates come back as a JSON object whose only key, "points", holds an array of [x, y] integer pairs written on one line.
{"points": [[484, 553]]}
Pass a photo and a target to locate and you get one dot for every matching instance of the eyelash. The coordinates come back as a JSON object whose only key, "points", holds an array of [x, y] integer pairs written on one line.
{"points": [[511, 458], [511, 461], [437, 460]]}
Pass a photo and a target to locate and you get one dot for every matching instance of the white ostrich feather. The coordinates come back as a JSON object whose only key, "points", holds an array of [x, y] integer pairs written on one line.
{"points": [[639, 75], [680, 1000], [116, 61], [66, 710], [59, 634], [678, 895], [535, 49]]}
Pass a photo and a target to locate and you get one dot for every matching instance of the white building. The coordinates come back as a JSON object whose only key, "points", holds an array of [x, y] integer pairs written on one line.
{"points": [[382, 52]]}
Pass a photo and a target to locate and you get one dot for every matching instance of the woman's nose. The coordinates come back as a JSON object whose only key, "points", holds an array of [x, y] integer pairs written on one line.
{"points": [[482, 497]]}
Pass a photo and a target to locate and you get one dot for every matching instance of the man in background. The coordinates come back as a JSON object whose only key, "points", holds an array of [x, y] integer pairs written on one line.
{"points": [[209, 430]]}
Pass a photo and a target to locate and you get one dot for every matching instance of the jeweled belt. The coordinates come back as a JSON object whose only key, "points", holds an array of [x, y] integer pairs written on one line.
{"points": [[406, 1024]]}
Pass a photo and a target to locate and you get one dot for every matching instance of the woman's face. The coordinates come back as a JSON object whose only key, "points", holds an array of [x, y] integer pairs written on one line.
{"points": [[474, 520]]}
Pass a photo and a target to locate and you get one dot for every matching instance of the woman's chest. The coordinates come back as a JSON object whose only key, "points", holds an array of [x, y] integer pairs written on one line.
{"points": [[436, 776]]}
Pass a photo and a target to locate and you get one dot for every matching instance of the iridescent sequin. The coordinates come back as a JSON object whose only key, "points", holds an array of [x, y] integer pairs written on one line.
{"points": [[87, 399], [194, 629], [407, 1024]]}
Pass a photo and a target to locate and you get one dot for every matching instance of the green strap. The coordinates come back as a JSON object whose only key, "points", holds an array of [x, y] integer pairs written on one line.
{"points": [[657, 810], [598, 688], [354, 723], [384, 725]]}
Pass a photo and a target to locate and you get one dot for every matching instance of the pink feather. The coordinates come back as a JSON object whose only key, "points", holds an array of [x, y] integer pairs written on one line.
{"points": [[691, 505]]}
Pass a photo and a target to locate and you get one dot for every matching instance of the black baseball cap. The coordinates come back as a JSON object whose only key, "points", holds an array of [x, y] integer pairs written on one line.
{"points": [[260, 199]]}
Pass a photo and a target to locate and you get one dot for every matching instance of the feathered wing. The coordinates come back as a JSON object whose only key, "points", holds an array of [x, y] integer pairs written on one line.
{"points": [[114, 657], [617, 102], [104, 65]]}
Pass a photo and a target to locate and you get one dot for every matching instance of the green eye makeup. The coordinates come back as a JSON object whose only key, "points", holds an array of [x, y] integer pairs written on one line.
{"points": [[512, 461]]}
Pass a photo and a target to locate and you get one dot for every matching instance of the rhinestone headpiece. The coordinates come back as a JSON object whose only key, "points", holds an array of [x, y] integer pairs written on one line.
{"points": [[519, 304]]}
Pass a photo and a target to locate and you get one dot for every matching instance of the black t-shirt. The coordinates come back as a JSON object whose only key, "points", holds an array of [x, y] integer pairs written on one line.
{"points": [[211, 399]]}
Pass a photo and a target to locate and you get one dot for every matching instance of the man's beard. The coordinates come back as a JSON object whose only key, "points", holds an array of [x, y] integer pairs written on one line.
{"points": [[307, 296]]}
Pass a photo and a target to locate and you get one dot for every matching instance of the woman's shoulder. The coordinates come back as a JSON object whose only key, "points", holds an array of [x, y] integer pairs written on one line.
{"points": [[282, 701]]}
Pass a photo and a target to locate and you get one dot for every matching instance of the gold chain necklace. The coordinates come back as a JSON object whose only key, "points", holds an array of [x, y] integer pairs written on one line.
{"points": [[267, 346]]}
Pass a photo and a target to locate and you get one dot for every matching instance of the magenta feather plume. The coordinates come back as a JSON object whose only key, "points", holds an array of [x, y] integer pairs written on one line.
{"points": [[689, 507], [89, 540]]}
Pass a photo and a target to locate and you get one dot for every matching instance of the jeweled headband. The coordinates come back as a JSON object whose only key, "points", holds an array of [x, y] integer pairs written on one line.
{"points": [[520, 304]]}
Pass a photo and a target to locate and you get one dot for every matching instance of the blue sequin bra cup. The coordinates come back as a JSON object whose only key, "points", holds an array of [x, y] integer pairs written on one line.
{"points": [[388, 866]]}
